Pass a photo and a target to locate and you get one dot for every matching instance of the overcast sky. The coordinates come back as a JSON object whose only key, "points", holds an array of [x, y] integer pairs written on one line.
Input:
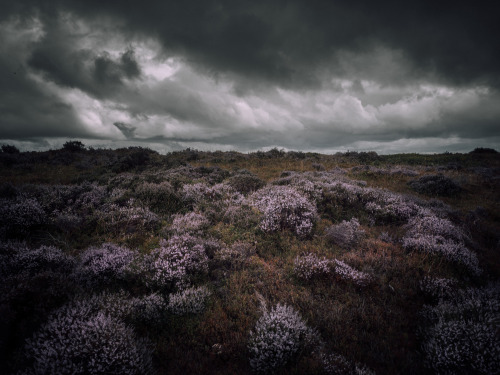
{"points": [[325, 76]]}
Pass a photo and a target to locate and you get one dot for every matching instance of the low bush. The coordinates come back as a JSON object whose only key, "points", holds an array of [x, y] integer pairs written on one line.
{"points": [[188, 301], [435, 185], [347, 234], [278, 335]]}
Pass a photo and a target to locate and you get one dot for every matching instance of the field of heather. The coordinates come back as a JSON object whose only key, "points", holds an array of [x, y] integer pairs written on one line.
{"points": [[131, 262]]}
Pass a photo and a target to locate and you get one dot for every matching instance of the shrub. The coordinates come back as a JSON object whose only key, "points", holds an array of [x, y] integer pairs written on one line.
{"points": [[128, 219], [160, 197], [438, 288], [188, 301], [462, 336], [104, 264], [10, 149], [435, 185], [348, 273], [191, 222], [309, 265], [284, 208], [346, 234], [431, 234], [77, 340], [245, 183], [73, 146], [20, 215], [172, 264], [277, 337]]}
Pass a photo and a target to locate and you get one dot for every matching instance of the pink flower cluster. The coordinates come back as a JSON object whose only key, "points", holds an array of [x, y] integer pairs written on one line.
{"points": [[346, 272], [278, 335], [188, 301], [79, 340], [104, 264], [308, 266], [284, 207], [434, 235], [176, 259]]}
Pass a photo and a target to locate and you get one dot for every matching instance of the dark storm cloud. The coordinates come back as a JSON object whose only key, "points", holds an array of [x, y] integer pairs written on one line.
{"points": [[126, 129], [60, 59], [287, 41]]}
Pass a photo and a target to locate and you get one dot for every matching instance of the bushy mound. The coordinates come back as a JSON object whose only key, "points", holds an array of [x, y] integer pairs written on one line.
{"points": [[277, 336], [284, 208], [435, 185], [77, 340]]}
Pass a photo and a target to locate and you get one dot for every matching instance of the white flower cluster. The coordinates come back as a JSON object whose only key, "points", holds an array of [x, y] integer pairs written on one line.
{"points": [[188, 301], [434, 235], [172, 263], [106, 263], [463, 333], [278, 335], [347, 234], [284, 208], [346, 272], [308, 266], [78, 340], [192, 222], [126, 218]]}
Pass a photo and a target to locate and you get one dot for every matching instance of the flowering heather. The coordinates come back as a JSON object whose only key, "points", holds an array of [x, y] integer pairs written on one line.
{"points": [[392, 208], [439, 236], [192, 222], [347, 234], [20, 215], [348, 273], [462, 336], [77, 340], [203, 193], [309, 265], [277, 337], [17, 257], [188, 301], [438, 288], [284, 208], [160, 197], [126, 218], [435, 185], [176, 259], [104, 264]]}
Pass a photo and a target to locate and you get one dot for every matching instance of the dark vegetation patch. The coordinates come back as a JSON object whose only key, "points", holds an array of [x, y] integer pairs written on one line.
{"points": [[269, 262]]}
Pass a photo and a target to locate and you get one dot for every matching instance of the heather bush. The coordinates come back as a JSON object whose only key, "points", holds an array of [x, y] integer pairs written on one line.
{"points": [[245, 183], [438, 288], [462, 334], [284, 208], [126, 219], [20, 215], [105, 264], [161, 198], [192, 222], [278, 335], [78, 340], [390, 208], [348, 273], [434, 235], [188, 301], [172, 264], [435, 185], [308, 266], [347, 234], [17, 257]]}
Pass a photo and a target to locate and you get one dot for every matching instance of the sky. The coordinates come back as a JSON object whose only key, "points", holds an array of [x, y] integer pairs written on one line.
{"points": [[310, 75]]}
